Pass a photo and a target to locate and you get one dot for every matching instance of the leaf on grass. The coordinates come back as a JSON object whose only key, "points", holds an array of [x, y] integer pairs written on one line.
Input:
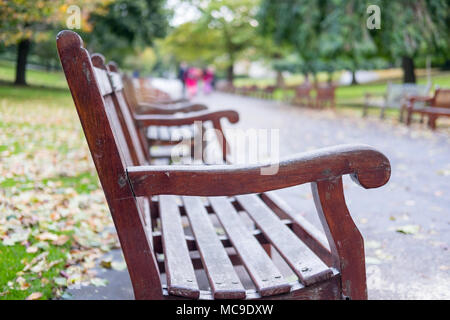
{"points": [[60, 281], [61, 240], [32, 249], [47, 236], [34, 296]]}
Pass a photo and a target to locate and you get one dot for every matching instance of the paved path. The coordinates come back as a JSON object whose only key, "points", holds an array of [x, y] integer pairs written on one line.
{"points": [[415, 265]]}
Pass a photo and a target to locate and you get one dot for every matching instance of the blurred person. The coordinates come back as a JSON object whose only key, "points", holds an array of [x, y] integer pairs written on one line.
{"points": [[182, 73], [208, 80], [191, 81]]}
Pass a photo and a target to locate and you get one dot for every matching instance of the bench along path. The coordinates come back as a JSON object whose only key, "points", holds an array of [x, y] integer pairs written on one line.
{"points": [[417, 199]]}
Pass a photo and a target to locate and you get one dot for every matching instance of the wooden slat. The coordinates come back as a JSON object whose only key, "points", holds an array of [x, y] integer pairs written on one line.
{"points": [[152, 133], [310, 235], [103, 81], [224, 281], [306, 265], [144, 210], [181, 279], [266, 276], [164, 133]]}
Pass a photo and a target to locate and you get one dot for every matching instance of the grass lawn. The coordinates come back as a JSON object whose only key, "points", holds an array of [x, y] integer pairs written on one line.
{"points": [[54, 221]]}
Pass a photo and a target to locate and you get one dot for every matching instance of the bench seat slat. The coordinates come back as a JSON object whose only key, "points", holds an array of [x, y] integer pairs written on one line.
{"points": [[265, 275], [181, 280], [152, 133], [310, 235], [164, 133], [306, 265], [224, 281]]}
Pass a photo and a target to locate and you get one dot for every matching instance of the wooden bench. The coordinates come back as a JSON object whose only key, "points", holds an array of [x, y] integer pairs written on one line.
{"points": [[267, 92], [158, 128], [141, 105], [303, 95], [146, 92], [394, 97], [148, 203], [325, 96], [433, 107]]}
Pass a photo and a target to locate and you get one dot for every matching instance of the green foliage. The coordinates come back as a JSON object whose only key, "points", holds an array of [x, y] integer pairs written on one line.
{"points": [[124, 27], [331, 35], [21, 19], [415, 27], [225, 32]]}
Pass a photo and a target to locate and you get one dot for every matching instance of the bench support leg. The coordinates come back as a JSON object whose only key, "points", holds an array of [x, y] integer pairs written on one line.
{"points": [[346, 242]]}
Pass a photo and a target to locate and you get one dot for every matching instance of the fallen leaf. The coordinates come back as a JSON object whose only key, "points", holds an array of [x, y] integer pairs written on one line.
{"points": [[119, 266], [61, 240], [32, 249], [34, 296], [372, 260], [408, 229], [99, 282]]}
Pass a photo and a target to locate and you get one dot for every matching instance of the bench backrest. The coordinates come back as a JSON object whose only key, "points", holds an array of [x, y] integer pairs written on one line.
{"points": [[303, 90], [396, 93], [326, 92], [135, 138], [94, 100], [442, 98], [147, 92]]}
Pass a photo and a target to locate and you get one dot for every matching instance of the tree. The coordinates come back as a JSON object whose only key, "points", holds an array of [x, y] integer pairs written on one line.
{"points": [[324, 32], [21, 22], [415, 28], [224, 33], [296, 23], [24, 22], [326, 35], [125, 27], [345, 39]]}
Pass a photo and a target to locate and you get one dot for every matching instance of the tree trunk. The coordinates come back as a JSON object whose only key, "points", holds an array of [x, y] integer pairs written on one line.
{"points": [[354, 81], [409, 75], [330, 77], [230, 74], [23, 48], [280, 79]]}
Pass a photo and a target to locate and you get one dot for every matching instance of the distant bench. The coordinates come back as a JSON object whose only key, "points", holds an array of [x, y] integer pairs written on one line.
{"points": [[394, 97], [432, 107]]}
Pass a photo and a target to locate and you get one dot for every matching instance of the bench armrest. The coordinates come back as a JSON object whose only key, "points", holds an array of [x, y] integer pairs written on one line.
{"points": [[190, 118], [181, 100], [368, 167], [148, 108], [413, 99]]}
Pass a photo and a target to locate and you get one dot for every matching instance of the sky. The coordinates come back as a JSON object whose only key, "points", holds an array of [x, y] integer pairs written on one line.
{"points": [[183, 12]]}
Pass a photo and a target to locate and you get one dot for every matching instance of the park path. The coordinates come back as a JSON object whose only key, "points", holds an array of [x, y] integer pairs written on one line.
{"points": [[405, 224], [416, 201]]}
